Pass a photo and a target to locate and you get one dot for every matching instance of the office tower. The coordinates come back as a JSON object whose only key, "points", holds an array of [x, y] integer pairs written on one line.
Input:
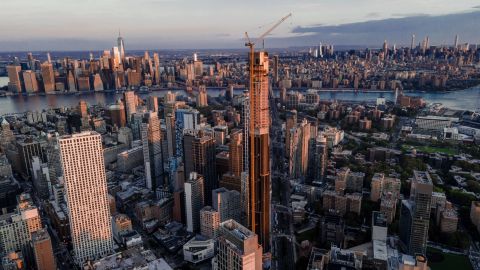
{"points": [[152, 151], [236, 152], [385, 48], [291, 122], [152, 104], [30, 81], [194, 201], [41, 178], [293, 158], [209, 222], [116, 114], [72, 86], [27, 149], [229, 93], [17, 227], [48, 77], [318, 158], [199, 149], [415, 214], [170, 125], [43, 251], [275, 68], [121, 47], [86, 193], [202, 100], [412, 44], [116, 58], [130, 104], [303, 146], [227, 203], [49, 59], [83, 108], [259, 174], [170, 97], [97, 82], [14, 83], [238, 248], [455, 45], [31, 61], [197, 66], [156, 61], [184, 119]]}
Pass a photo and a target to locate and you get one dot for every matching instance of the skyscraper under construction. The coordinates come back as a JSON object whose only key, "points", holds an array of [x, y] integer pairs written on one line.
{"points": [[259, 169]]}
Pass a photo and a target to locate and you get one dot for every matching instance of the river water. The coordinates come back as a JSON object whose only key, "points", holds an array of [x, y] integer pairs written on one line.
{"points": [[468, 99]]}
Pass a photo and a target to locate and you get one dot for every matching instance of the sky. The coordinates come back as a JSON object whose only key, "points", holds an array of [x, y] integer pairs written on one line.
{"points": [[190, 24]]}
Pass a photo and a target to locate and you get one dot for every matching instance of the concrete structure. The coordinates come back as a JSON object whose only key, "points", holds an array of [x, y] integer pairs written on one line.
{"points": [[209, 222], [415, 214], [86, 192], [43, 251], [16, 228], [198, 249], [259, 156], [194, 201], [227, 203], [238, 248]]}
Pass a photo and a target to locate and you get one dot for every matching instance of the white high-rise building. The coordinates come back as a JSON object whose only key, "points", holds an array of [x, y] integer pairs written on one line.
{"points": [[194, 201], [130, 104], [121, 47], [86, 193], [152, 151]]}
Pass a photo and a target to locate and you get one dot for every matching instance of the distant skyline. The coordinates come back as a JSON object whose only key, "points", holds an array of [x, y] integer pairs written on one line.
{"points": [[190, 24]]}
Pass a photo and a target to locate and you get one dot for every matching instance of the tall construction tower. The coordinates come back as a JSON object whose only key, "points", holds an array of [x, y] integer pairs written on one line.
{"points": [[258, 218]]}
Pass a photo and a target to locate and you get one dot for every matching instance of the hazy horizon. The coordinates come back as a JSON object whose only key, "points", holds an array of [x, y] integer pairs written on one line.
{"points": [[50, 25]]}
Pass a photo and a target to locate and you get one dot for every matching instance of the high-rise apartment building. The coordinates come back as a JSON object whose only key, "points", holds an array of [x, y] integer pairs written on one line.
{"points": [[238, 248], [227, 203], [259, 169], [318, 158], [48, 77], [43, 251], [130, 100], [184, 119], [152, 150], [14, 83], [415, 214], [199, 157], [209, 222], [16, 228], [30, 81], [194, 201], [290, 123], [236, 152], [202, 100], [87, 197]]}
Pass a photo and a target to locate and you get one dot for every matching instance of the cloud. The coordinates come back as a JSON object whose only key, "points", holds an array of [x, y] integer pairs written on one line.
{"points": [[441, 29], [373, 15]]}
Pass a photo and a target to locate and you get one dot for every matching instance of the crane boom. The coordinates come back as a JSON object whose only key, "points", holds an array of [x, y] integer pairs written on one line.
{"points": [[272, 28]]}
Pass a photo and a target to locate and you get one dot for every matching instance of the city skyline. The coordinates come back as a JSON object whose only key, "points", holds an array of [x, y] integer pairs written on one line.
{"points": [[190, 25]]}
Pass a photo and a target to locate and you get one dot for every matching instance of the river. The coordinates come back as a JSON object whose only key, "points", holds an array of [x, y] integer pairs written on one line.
{"points": [[468, 99]]}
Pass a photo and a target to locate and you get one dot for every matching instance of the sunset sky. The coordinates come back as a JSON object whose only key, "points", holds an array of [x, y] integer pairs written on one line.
{"points": [[71, 24]]}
